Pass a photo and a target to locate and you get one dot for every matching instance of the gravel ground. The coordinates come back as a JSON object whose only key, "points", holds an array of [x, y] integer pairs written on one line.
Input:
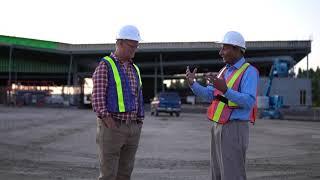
{"points": [[59, 143]]}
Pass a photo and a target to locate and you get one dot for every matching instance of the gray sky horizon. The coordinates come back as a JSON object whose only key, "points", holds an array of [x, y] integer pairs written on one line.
{"points": [[97, 21]]}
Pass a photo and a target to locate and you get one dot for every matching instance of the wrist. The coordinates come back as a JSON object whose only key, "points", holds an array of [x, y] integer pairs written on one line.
{"points": [[191, 81], [225, 90]]}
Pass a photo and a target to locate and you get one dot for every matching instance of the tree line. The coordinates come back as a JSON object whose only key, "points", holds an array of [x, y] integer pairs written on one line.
{"points": [[314, 76]]}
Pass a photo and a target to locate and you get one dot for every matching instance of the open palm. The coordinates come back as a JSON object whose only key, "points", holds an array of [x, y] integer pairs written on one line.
{"points": [[191, 76]]}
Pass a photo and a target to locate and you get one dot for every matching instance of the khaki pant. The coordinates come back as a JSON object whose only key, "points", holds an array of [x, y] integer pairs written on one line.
{"points": [[229, 143], [117, 149]]}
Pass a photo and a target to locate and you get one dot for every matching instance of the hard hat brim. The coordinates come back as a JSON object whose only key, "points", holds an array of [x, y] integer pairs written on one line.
{"points": [[221, 43], [129, 38]]}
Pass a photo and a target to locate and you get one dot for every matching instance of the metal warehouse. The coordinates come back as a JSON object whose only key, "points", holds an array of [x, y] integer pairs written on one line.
{"points": [[43, 64]]}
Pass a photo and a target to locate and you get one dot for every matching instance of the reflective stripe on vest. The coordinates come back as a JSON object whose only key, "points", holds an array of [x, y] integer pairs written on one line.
{"points": [[117, 79], [138, 71], [233, 79], [219, 111]]}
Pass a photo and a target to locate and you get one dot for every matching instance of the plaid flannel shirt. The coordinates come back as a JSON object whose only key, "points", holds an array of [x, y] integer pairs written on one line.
{"points": [[99, 93]]}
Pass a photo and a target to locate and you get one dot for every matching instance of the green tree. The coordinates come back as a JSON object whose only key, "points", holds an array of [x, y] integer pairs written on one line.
{"points": [[314, 76]]}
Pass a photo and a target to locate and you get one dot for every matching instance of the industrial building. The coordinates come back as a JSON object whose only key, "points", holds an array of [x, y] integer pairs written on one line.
{"points": [[38, 65]]}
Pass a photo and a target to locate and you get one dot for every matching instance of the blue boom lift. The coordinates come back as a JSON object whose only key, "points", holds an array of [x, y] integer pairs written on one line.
{"points": [[280, 68]]}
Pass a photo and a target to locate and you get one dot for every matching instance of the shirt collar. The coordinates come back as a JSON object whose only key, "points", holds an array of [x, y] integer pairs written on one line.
{"points": [[116, 59], [238, 64]]}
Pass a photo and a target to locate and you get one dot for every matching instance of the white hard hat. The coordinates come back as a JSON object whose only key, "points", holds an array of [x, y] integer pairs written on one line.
{"points": [[129, 32], [234, 38]]}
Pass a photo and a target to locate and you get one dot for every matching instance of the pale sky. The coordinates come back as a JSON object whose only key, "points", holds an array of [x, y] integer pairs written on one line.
{"points": [[97, 21]]}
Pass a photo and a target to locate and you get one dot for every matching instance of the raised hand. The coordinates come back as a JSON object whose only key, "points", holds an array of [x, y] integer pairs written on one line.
{"points": [[209, 76], [220, 84], [191, 76]]}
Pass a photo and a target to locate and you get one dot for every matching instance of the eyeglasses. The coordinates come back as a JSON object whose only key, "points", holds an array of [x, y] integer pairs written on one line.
{"points": [[132, 45]]}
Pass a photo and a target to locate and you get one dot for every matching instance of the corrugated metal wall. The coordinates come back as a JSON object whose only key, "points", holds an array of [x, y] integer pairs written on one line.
{"points": [[4, 64], [32, 66], [292, 90]]}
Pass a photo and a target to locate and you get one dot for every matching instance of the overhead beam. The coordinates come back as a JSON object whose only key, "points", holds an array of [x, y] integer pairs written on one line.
{"points": [[269, 59]]}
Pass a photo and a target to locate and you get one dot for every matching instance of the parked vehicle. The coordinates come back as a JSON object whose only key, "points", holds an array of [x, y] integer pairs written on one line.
{"points": [[168, 102], [55, 99]]}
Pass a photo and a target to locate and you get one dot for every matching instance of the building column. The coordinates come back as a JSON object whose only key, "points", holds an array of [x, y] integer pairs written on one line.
{"points": [[161, 71], [9, 95], [10, 65], [75, 81], [70, 69], [70, 97], [155, 77]]}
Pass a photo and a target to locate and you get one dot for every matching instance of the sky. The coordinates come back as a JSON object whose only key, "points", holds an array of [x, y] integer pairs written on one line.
{"points": [[97, 21]]}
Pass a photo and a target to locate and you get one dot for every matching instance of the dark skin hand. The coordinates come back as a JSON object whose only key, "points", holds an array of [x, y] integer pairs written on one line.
{"points": [[218, 83], [190, 76], [208, 76]]}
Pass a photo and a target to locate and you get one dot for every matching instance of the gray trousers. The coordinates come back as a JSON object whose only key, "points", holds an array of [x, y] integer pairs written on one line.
{"points": [[117, 149], [229, 143]]}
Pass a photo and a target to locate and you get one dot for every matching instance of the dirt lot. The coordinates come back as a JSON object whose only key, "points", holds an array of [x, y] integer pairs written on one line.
{"points": [[57, 143]]}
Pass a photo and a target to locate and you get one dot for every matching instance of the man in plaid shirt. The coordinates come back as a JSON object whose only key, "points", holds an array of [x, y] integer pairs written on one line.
{"points": [[119, 114]]}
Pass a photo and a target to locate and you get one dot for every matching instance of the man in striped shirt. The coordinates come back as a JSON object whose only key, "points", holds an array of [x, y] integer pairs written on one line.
{"points": [[118, 103]]}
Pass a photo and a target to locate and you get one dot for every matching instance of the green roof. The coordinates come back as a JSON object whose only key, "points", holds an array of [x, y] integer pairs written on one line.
{"points": [[28, 42]]}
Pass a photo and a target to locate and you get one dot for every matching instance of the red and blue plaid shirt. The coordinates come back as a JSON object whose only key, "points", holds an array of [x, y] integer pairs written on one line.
{"points": [[99, 93]]}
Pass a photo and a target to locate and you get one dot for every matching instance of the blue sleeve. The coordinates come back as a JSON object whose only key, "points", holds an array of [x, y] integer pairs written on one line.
{"points": [[206, 93], [248, 89]]}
